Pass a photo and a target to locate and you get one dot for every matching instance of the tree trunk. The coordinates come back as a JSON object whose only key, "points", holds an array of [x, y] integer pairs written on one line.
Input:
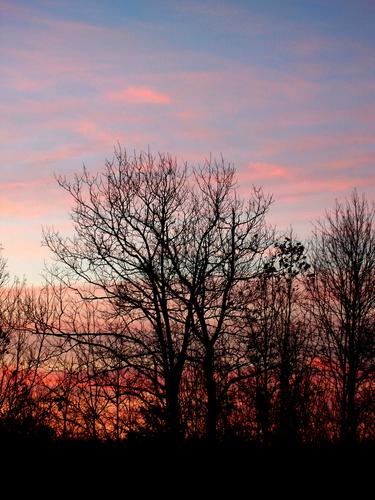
{"points": [[263, 413], [173, 417], [285, 425], [212, 407], [349, 418]]}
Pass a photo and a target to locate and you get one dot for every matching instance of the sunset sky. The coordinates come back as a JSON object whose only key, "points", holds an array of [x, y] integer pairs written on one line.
{"points": [[284, 89]]}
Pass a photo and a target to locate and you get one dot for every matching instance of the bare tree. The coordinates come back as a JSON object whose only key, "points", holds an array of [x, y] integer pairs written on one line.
{"points": [[23, 366], [279, 339], [166, 247], [343, 295], [225, 237], [294, 339], [260, 323], [4, 305], [125, 219], [79, 368]]}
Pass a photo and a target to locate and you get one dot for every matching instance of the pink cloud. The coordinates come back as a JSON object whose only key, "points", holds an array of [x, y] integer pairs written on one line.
{"points": [[310, 186], [300, 201], [250, 86], [266, 174], [22, 83], [139, 95], [291, 183], [185, 115], [298, 143], [13, 209], [353, 162], [31, 199], [268, 171], [49, 156], [92, 131], [299, 187], [78, 27]]}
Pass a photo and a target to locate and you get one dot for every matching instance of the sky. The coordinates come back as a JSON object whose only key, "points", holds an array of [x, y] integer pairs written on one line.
{"points": [[283, 89]]}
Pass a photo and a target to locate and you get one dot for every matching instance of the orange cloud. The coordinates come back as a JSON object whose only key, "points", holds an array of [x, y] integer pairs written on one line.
{"points": [[139, 95]]}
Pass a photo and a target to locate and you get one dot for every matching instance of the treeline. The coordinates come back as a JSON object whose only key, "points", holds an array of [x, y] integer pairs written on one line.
{"points": [[174, 310]]}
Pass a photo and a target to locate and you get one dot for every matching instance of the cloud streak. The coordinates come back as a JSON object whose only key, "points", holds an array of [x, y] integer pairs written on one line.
{"points": [[139, 95], [291, 104]]}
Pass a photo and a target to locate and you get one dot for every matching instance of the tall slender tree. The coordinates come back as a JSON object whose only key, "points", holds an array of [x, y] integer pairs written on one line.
{"points": [[343, 295]]}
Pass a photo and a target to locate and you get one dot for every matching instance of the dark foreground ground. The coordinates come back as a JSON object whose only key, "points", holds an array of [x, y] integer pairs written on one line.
{"points": [[149, 469]]}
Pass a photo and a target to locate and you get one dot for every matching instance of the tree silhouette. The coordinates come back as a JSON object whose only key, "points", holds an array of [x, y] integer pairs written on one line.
{"points": [[166, 246], [279, 341], [174, 311], [343, 295], [225, 239]]}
